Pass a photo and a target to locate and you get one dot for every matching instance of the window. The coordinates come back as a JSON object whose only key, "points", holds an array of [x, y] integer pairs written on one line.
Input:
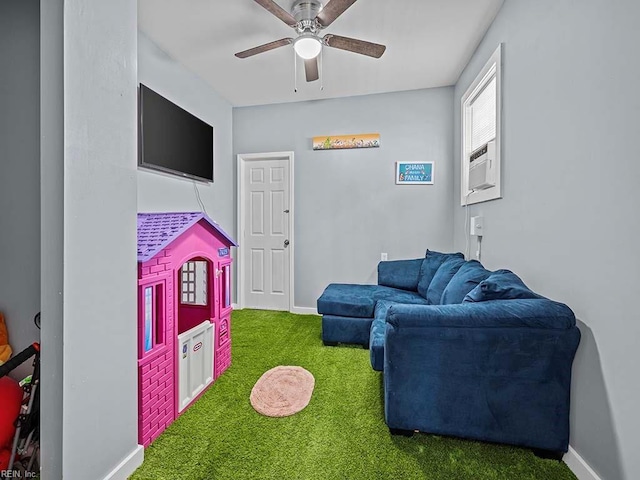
{"points": [[194, 283], [481, 128], [153, 327], [226, 286], [148, 319]]}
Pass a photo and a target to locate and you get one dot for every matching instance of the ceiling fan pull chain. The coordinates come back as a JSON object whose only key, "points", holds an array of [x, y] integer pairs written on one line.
{"points": [[322, 70], [295, 71]]}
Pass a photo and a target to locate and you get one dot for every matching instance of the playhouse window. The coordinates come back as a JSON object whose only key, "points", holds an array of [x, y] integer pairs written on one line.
{"points": [[194, 283], [226, 286], [153, 332]]}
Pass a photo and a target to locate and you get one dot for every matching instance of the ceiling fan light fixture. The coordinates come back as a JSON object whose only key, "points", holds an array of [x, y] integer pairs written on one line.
{"points": [[307, 46]]}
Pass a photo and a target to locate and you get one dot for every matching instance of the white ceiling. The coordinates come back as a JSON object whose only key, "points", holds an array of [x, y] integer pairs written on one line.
{"points": [[428, 44]]}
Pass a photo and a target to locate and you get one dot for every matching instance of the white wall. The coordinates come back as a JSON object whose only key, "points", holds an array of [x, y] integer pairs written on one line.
{"points": [[348, 209], [20, 171], [568, 222], [158, 192], [99, 377]]}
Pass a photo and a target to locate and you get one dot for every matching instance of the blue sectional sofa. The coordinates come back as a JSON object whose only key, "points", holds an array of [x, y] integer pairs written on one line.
{"points": [[464, 351]]}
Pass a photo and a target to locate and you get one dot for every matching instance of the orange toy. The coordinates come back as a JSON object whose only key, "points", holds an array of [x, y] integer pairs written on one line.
{"points": [[5, 349]]}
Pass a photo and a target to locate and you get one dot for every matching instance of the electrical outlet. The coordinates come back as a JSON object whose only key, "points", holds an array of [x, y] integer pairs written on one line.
{"points": [[476, 226], [384, 257]]}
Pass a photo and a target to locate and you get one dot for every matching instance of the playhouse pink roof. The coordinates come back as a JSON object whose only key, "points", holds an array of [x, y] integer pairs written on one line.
{"points": [[157, 230]]}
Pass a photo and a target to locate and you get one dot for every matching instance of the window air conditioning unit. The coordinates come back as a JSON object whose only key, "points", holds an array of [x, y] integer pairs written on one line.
{"points": [[482, 167]]}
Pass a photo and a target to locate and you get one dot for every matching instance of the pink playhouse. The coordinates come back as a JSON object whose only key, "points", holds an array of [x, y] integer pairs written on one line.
{"points": [[184, 314]]}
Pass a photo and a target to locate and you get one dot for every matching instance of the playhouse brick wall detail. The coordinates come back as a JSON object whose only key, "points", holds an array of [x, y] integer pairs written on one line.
{"points": [[156, 396], [158, 265], [156, 373], [223, 348]]}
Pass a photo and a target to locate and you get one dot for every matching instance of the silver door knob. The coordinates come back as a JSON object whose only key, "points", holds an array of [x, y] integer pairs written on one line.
{"points": [[286, 243]]}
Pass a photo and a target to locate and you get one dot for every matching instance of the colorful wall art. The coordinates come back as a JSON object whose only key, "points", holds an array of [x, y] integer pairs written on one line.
{"points": [[335, 142], [414, 173]]}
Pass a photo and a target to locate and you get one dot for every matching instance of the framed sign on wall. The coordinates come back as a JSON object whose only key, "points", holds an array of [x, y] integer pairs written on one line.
{"points": [[414, 173], [337, 142]]}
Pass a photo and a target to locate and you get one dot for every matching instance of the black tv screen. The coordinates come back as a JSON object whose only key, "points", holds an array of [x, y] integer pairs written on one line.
{"points": [[172, 139]]}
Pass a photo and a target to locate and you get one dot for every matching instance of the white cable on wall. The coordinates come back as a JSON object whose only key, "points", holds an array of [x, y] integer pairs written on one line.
{"points": [[200, 203], [466, 225]]}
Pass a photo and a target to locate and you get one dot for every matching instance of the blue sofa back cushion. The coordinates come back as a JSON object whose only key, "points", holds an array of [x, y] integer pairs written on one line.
{"points": [[500, 285], [466, 279], [442, 278], [402, 274], [430, 265]]}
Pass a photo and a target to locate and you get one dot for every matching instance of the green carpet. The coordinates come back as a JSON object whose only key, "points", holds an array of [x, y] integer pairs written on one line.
{"points": [[341, 434]]}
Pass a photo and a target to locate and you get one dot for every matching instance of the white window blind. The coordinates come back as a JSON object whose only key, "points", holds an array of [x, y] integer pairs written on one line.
{"points": [[483, 116]]}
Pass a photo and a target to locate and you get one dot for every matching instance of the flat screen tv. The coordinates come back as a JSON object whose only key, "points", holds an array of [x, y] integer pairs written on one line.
{"points": [[173, 140]]}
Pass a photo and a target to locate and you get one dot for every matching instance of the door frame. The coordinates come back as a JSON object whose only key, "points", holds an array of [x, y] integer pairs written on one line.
{"points": [[243, 159]]}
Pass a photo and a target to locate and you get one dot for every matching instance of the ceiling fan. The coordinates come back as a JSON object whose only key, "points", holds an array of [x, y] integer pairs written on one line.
{"points": [[308, 18]]}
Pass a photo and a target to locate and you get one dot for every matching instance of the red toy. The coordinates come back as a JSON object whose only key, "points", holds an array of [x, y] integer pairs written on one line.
{"points": [[10, 400]]}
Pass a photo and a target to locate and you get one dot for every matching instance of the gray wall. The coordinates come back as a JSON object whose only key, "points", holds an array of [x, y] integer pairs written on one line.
{"points": [[159, 192], [347, 207], [51, 243], [99, 379], [568, 222], [20, 171]]}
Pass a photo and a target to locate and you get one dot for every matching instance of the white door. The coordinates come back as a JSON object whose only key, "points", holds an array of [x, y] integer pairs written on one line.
{"points": [[265, 243]]}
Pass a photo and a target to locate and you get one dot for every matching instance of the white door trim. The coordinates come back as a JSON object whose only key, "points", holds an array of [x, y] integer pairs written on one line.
{"points": [[242, 160]]}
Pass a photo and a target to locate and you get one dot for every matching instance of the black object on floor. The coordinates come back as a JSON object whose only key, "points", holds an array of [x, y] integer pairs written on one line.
{"points": [[548, 454], [399, 431]]}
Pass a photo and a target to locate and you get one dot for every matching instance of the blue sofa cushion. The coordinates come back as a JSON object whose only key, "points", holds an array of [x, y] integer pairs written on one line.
{"points": [[500, 285], [377, 333], [348, 300], [400, 273], [430, 266], [442, 278], [398, 296], [346, 329], [466, 279]]}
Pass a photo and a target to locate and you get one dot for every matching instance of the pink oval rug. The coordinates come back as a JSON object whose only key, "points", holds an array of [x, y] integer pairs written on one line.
{"points": [[282, 391]]}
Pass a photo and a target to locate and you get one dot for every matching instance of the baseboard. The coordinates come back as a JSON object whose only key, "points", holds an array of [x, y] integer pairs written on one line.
{"points": [[128, 465], [578, 466], [304, 311], [296, 310]]}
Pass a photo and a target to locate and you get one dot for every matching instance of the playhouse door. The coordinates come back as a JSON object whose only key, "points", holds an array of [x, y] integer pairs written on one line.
{"points": [[195, 362]]}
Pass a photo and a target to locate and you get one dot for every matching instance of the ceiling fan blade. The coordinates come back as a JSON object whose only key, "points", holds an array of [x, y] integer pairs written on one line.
{"points": [[311, 69], [265, 48], [333, 10], [354, 45], [278, 11]]}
